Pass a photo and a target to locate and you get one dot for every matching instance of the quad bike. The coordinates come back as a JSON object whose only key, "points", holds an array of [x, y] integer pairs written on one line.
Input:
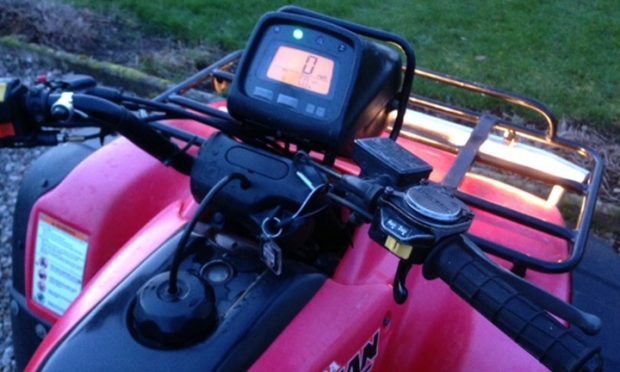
{"points": [[288, 209]]}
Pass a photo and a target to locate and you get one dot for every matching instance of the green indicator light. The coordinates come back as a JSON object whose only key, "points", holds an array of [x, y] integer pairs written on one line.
{"points": [[298, 34]]}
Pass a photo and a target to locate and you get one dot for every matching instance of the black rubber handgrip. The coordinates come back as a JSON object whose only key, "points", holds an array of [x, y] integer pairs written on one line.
{"points": [[479, 282]]}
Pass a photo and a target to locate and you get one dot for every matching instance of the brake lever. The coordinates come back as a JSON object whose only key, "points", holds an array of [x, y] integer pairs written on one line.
{"points": [[483, 285], [588, 323]]}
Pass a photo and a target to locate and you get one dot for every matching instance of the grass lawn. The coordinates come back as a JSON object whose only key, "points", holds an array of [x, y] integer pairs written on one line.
{"points": [[565, 53]]}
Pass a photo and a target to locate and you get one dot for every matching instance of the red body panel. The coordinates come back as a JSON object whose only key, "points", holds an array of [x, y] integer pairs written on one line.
{"points": [[148, 239], [433, 330], [108, 198]]}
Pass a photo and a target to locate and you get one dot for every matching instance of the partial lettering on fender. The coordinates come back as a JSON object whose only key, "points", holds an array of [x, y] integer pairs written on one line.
{"points": [[363, 360]]}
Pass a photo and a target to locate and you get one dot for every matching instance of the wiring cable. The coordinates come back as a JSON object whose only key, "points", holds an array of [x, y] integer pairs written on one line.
{"points": [[178, 253], [303, 206]]}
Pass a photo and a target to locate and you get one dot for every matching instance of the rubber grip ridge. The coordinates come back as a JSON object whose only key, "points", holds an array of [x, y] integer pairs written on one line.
{"points": [[479, 282]]}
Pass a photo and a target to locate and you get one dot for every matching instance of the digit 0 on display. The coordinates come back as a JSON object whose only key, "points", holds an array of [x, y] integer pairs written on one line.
{"points": [[302, 69]]}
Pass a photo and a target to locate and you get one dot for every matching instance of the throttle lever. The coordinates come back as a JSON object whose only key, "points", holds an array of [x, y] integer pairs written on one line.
{"points": [[410, 224], [399, 289]]}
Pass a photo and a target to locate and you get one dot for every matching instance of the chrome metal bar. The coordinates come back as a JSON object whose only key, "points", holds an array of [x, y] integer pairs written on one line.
{"points": [[514, 99], [196, 79]]}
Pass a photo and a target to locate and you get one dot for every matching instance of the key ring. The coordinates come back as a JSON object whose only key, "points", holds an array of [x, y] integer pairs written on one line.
{"points": [[267, 225]]}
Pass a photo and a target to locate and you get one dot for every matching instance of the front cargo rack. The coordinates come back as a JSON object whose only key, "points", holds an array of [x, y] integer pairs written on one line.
{"points": [[449, 127]]}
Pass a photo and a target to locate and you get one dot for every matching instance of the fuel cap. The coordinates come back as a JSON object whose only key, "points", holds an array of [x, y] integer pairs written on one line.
{"points": [[434, 202], [166, 320]]}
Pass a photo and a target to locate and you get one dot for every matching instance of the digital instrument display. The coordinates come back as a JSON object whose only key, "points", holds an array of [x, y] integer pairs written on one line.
{"points": [[302, 69], [314, 83]]}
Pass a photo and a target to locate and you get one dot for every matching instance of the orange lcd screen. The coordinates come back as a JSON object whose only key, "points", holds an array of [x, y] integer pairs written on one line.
{"points": [[302, 69]]}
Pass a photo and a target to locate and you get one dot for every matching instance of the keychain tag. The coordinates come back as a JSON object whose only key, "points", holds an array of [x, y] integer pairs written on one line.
{"points": [[271, 255]]}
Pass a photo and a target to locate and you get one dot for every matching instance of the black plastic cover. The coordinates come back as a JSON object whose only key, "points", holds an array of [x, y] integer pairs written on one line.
{"points": [[382, 157], [254, 307], [367, 76], [75, 82], [29, 330], [273, 180]]}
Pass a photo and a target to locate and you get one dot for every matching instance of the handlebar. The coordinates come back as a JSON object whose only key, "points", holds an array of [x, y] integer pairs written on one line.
{"points": [[421, 226], [118, 119], [26, 114], [424, 225], [480, 282]]}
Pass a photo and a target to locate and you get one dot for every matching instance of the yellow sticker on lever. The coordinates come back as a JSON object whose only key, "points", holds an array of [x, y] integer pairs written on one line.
{"points": [[401, 250], [2, 91]]}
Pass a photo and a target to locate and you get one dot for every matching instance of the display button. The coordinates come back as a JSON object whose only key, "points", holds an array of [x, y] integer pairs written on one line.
{"points": [[310, 108], [263, 93], [342, 48], [287, 101], [320, 111]]}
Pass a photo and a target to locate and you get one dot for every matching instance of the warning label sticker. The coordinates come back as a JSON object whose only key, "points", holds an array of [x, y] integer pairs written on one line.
{"points": [[59, 260], [2, 91]]}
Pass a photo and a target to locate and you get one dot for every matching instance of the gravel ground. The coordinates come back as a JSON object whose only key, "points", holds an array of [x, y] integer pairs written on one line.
{"points": [[13, 165]]}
